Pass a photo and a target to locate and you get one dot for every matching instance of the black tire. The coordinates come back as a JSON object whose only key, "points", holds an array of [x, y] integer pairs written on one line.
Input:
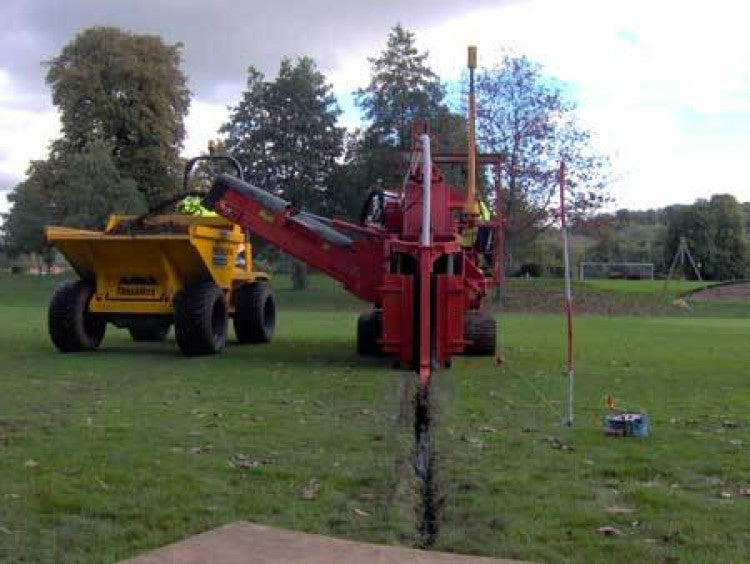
{"points": [[200, 319], [369, 330], [254, 313], [480, 332], [71, 327], [148, 330]]}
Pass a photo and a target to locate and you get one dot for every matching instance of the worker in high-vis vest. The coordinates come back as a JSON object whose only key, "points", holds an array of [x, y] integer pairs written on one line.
{"points": [[192, 205], [484, 242], [484, 211], [471, 232]]}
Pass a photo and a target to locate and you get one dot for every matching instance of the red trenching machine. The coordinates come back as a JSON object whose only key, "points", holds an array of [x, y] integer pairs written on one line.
{"points": [[421, 253]]}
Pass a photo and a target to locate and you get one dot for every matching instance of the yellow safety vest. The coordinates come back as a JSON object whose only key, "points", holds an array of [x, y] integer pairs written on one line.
{"points": [[192, 205], [468, 236], [484, 211]]}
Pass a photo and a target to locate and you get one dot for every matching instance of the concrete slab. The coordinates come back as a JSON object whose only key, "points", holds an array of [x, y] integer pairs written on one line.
{"points": [[242, 542]]}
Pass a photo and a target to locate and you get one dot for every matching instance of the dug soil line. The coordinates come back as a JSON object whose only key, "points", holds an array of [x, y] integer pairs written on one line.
{"points": [[425, 470]]}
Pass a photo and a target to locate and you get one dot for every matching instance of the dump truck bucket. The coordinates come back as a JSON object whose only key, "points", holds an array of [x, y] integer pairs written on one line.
{"points": [[141, 272]]}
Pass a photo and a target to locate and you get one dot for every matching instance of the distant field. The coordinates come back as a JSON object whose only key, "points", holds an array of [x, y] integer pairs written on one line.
{"points": [[106, 454], [642, 286], [614, 297]]}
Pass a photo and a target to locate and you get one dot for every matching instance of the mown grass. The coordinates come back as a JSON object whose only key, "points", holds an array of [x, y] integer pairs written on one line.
{"points": [[107, 454], [509, 487], [673, 287]]}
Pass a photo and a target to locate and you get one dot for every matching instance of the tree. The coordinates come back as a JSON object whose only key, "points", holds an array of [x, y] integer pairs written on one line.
{"points": [[128, 90], [76, 190], [402, 89], [351, 179], [730, 242], [284, 134], [715, 234], [523, 113], [24, 224], [86, 188]]}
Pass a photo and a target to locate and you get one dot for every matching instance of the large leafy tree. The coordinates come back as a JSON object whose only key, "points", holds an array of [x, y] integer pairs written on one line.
{"points": [[284, 133], [86, 188], [127, 90], [403, 89], [77, 190], [23, 226], [349, 182], [715, 234], [524, 114]]}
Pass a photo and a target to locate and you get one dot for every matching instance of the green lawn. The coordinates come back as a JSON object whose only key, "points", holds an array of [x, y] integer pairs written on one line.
{"points": [[642, 286], [512, 491], [106, 454]]}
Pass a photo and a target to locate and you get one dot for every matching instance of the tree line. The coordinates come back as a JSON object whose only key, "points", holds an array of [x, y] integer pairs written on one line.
{"points": [[714, 229], [122, 98]]}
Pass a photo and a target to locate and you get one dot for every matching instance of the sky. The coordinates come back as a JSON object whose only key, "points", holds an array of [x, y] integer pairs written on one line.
{"points": [[663, 85]]}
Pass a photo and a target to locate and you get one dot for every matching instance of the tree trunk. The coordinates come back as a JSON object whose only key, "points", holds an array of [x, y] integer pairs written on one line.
{"points": [[49, 259], [299, 275], [497, 295], [36, 263]]}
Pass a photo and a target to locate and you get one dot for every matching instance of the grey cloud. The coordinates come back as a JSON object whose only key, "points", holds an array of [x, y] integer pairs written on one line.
{"points": [[8, 182], [221, 37]]}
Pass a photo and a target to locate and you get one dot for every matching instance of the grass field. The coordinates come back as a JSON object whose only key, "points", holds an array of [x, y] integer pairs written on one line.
{"points": [[642, 286], [104, 455]]}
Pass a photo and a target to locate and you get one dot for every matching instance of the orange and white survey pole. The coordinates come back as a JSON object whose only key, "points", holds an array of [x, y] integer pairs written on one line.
{"points": [[568, 296]]}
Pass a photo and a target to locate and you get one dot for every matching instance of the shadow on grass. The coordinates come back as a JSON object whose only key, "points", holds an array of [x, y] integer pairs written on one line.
{"points": [[290, 352]]}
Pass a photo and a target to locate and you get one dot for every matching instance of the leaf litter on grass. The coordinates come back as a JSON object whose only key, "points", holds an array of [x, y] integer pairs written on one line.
{"points": [[310, 489]]}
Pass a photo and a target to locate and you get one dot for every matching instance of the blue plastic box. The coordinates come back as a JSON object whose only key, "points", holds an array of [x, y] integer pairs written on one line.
{"points": [[626, 425]]}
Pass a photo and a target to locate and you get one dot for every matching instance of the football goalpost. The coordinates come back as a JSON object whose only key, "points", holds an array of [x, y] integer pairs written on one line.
{"points": [[625, 270]]}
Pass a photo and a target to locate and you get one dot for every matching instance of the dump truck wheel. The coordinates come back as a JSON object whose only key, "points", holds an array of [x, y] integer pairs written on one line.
{"points": [[480, 330], [254, 313], [369, 329], [200, 319], [148, 330], [71, 327]]}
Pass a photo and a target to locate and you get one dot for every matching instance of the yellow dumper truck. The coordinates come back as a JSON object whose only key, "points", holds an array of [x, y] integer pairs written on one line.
{"points": [[150, 272]]}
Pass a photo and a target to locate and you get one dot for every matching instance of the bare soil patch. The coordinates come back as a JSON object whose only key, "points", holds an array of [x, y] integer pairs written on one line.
{"points": [[730, 291]]}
